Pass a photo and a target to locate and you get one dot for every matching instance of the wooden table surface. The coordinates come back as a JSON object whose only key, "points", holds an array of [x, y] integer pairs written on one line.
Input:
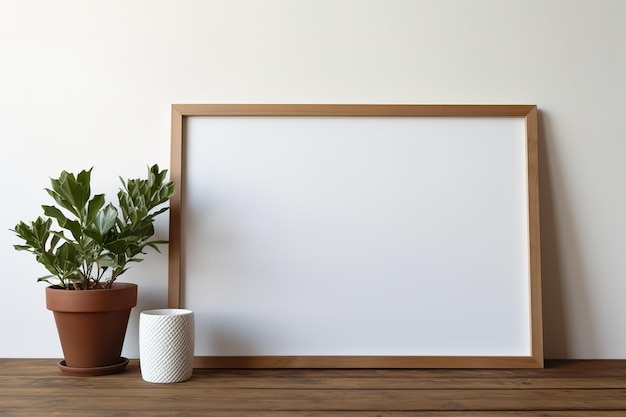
{"points": [[35, 387]]}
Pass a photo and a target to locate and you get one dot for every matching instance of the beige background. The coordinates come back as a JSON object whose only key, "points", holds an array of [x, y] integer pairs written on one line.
{"points": [[90, 83]]}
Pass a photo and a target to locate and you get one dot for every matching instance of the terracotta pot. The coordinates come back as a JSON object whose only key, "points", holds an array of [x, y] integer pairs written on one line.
{"points": [[92, 325]]}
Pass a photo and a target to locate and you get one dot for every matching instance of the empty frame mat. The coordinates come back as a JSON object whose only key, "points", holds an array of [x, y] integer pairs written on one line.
{"points": [[357, 235]]}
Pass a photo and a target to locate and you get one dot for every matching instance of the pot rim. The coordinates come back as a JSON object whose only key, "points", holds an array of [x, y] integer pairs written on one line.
{"points": [[121, 296], [167, 312]]}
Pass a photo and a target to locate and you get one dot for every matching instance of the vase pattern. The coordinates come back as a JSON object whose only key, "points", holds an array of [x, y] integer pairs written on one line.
{"points": [[166, 345]]}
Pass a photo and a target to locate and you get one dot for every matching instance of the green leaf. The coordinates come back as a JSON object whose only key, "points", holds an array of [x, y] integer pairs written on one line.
{"points": [[72, 225], [46, 279], [64, 251], [95, 235], [60, 199], [35, 234], [59, 235], [96, 203], [105, 219], [55, 213], [95, 238], [49, 261], [71, 192], [108, 261], [154, 244], [81, 189], [53, 242], [117, 246]]}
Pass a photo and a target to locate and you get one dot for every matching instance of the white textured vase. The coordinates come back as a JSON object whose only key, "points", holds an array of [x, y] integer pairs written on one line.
{"points": [[166, 342]]}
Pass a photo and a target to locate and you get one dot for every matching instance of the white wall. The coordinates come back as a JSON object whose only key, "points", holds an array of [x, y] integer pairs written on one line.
{"points": [[90, 83]]}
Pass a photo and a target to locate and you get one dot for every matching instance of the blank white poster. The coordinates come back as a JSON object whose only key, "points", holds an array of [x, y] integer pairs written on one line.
{"points": [[356, 235]]}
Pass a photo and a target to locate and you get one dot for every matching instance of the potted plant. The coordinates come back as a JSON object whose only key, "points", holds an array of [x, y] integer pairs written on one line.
{"points": [[93, 245]]}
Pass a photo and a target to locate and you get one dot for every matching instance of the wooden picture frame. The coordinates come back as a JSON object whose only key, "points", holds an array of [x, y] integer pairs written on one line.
{"points": [[524, 247]]}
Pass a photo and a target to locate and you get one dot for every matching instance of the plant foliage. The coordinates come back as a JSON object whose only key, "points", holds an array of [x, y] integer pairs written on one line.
{"points": [[95, 241]]}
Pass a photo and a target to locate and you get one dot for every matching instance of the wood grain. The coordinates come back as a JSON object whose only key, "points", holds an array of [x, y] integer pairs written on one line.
{"points": [[35, 387]]}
